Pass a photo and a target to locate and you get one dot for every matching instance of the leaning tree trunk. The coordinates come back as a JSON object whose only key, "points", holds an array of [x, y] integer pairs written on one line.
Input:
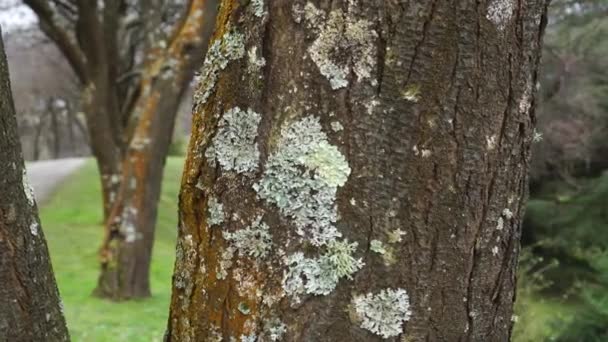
{"points": [[129, 235], [358, 172], [30, 308]]}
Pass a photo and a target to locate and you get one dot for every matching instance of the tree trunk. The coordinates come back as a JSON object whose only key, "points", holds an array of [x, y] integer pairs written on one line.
{"points": [[127, 247], [38, 133], [359, 174], [106, 146], [55, 131], [30, 308]]}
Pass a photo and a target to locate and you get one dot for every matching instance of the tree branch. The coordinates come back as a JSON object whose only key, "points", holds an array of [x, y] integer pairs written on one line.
{"points": [[50, 27]]}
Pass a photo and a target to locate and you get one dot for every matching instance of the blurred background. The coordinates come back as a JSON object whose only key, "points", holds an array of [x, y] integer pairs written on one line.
{"points": [[563, 273]]}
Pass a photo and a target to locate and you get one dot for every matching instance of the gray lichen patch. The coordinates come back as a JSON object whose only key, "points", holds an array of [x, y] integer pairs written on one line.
{"points": [[506, 214], [185, 255], [254, 62], [254, 241], [257, 7], [320, 276], [311, 15], [216, 213], [34, 228], [234, 146], [336, 126], [302, 178], [225, 262], [127, 225], [343, 45], [231, 46], [383, 313], [248, 338], [500, 12], [274, 330], [27, 189]]}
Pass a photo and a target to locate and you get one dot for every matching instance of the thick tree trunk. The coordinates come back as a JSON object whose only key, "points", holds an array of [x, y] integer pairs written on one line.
{"points": [[359, 174], [30, 308], [127, 246]]}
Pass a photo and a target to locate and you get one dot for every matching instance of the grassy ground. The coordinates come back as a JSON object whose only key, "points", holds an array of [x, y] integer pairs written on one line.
{"points": [[72, 224], [542, 318]]}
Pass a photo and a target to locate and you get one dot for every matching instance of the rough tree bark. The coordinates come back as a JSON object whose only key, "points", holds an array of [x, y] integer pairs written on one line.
{"points": [[129, 235], [30, 308], [358, 172], [130, 111]]}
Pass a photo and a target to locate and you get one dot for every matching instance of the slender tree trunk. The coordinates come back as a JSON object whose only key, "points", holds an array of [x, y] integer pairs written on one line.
{"points": [[30, 308], [38, 134], [127, 246], [358, 172], [55, 130], [107, 147]]}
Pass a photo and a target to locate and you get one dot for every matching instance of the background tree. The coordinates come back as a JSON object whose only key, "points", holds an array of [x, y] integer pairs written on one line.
{"points": [[358, 171], [566, 227], [30, 308], [573, 103], [134, 60]]}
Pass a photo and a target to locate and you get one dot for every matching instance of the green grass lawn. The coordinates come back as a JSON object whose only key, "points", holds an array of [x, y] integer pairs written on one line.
{"points": [[71, 221]]}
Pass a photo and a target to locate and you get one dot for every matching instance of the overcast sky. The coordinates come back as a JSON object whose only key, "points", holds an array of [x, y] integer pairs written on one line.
{"points": [[14, 17]]}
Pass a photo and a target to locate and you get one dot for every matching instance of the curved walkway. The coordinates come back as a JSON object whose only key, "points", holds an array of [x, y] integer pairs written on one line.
{"points": [[46, 175]]}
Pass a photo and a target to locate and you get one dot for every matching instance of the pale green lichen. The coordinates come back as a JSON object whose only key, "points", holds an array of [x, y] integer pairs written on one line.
{"points": [[377, 246], [322, 158], [216, 212], [383, 313], [411, 93], [395, 236], [254, 241], [344, 45], [387, 252], [320, 276], [302, 177], [234, 146], [231, 46]]}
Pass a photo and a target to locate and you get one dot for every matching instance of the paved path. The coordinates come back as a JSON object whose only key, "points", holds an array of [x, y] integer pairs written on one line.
{"points": [[45, 176]]}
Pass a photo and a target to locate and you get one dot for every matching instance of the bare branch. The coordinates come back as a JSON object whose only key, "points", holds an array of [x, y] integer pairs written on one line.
{"points": [[49, 25]]}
